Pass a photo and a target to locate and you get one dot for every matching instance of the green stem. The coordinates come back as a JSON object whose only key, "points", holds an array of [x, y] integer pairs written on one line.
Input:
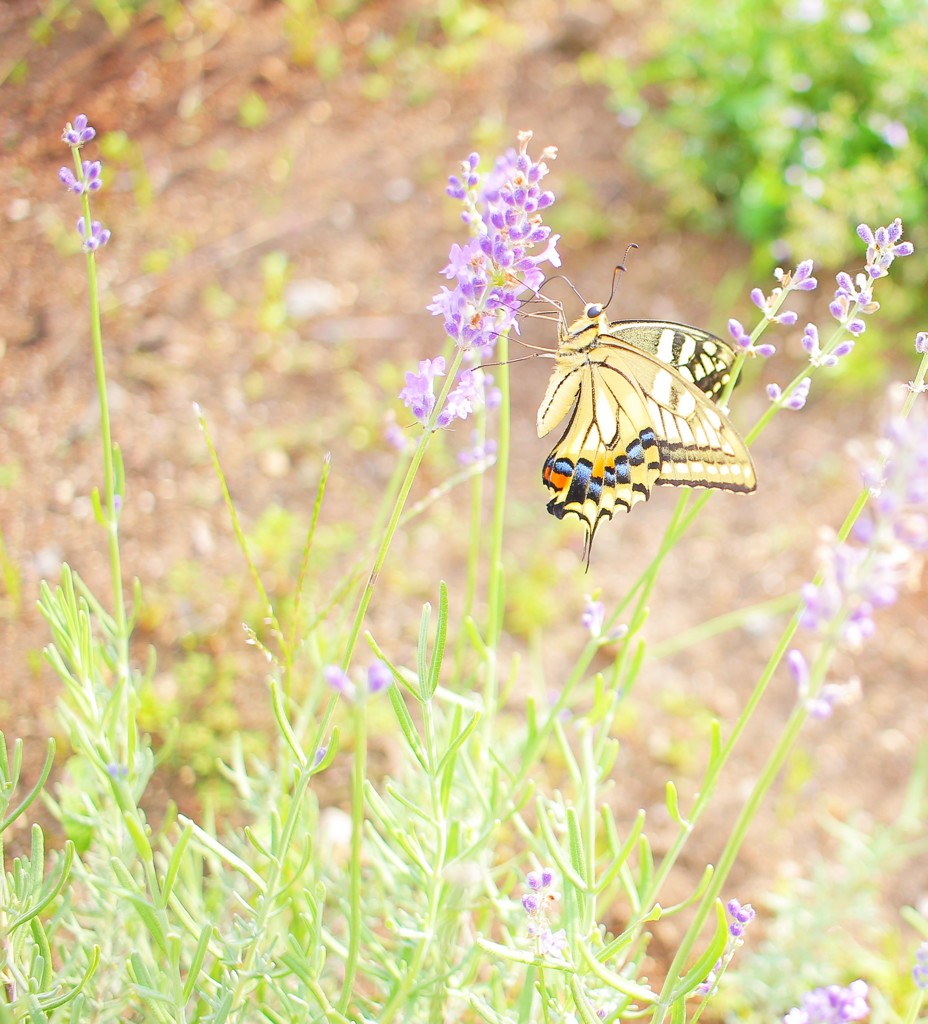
{"points": [[109, 473], [358, 775], [496, 593], [387, 538]]}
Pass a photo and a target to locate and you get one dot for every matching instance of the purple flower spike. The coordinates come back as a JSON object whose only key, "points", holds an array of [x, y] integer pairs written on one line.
{"points": [[832, 1005], [530, 903], [93, 239], [379, 677], [78, 133], [93, 182], [338, 680], [883, 247], [594, 614], [920, 970], [921, 342], [419, 393], [66, 177], [491, 271]]}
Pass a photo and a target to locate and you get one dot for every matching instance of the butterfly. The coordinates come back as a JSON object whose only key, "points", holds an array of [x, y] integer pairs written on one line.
{"points": [[639, 396]]}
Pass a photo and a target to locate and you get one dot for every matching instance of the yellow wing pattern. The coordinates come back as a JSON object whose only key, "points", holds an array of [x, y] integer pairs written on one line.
{"points": [[638, 395]]}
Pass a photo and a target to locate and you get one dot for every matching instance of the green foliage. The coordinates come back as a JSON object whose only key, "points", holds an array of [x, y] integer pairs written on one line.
{"points": [[790, 121]]}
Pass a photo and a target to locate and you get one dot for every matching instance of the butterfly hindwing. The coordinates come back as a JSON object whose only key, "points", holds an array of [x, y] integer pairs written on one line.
{"points": [[638, 397]]}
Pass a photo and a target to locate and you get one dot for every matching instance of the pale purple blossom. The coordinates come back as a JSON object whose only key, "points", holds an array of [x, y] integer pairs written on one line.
{"points": [[817, 355], [88, 179], [884, 246], [419, 393], [91, 179], [78, 133], [539, 880], [491, 271], [742, 914], [479, 452], [378, 678], [867, 571], [462, 400], [833, 1004], [94, 238], [338, 679], [920, 970], [593, 617], [552, 943], [797, 397], [743, 341]]}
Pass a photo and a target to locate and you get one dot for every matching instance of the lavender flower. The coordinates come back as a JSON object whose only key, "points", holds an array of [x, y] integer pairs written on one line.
{"points": [[338, 679], [741, 916], [88, 179], [866, 572], [93, 239], [831, 1005], [393, 434], [921, 342], [462, 399], [552, 944], [479, 452], [817, 356], [829, 696], [883, 247], [800, 279], [539, 880], [920, 970], [419, 393], [594, 614], [796, 399], [743, 340], [78, 133], [538, 903], [503, 209], [379, 677]]}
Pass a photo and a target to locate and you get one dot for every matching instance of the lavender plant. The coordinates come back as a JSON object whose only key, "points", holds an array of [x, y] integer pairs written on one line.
{"points": [[465, 887]]}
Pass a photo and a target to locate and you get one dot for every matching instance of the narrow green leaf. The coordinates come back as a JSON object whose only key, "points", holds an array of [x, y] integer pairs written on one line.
{"points": [[422, 650], [700, 970], [438, 651], [673, 806], [196, 962], [524, 957], [174, 864], [138, 836], [575, 841], [622, 855], [407, 726], [615, 980], [65, 997]]}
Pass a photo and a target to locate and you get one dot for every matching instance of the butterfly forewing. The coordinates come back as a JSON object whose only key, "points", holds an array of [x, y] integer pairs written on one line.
{"points": [[700, 357], [638, 397]]}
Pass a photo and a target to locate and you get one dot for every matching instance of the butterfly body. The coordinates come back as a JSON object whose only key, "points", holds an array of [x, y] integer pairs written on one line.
{"points": [[638, 399]]}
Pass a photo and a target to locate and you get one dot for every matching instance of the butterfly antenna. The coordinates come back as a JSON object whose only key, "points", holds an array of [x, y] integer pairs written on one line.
{"points": [[621, 267]]}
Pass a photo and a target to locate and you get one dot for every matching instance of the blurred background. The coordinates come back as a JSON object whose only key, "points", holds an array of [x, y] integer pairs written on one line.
{"points": [[274, 180]]}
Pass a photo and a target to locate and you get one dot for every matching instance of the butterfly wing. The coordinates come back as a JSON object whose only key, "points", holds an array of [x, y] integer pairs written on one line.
{"points": [[636, 419], [701, 357], [608, 455]]}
